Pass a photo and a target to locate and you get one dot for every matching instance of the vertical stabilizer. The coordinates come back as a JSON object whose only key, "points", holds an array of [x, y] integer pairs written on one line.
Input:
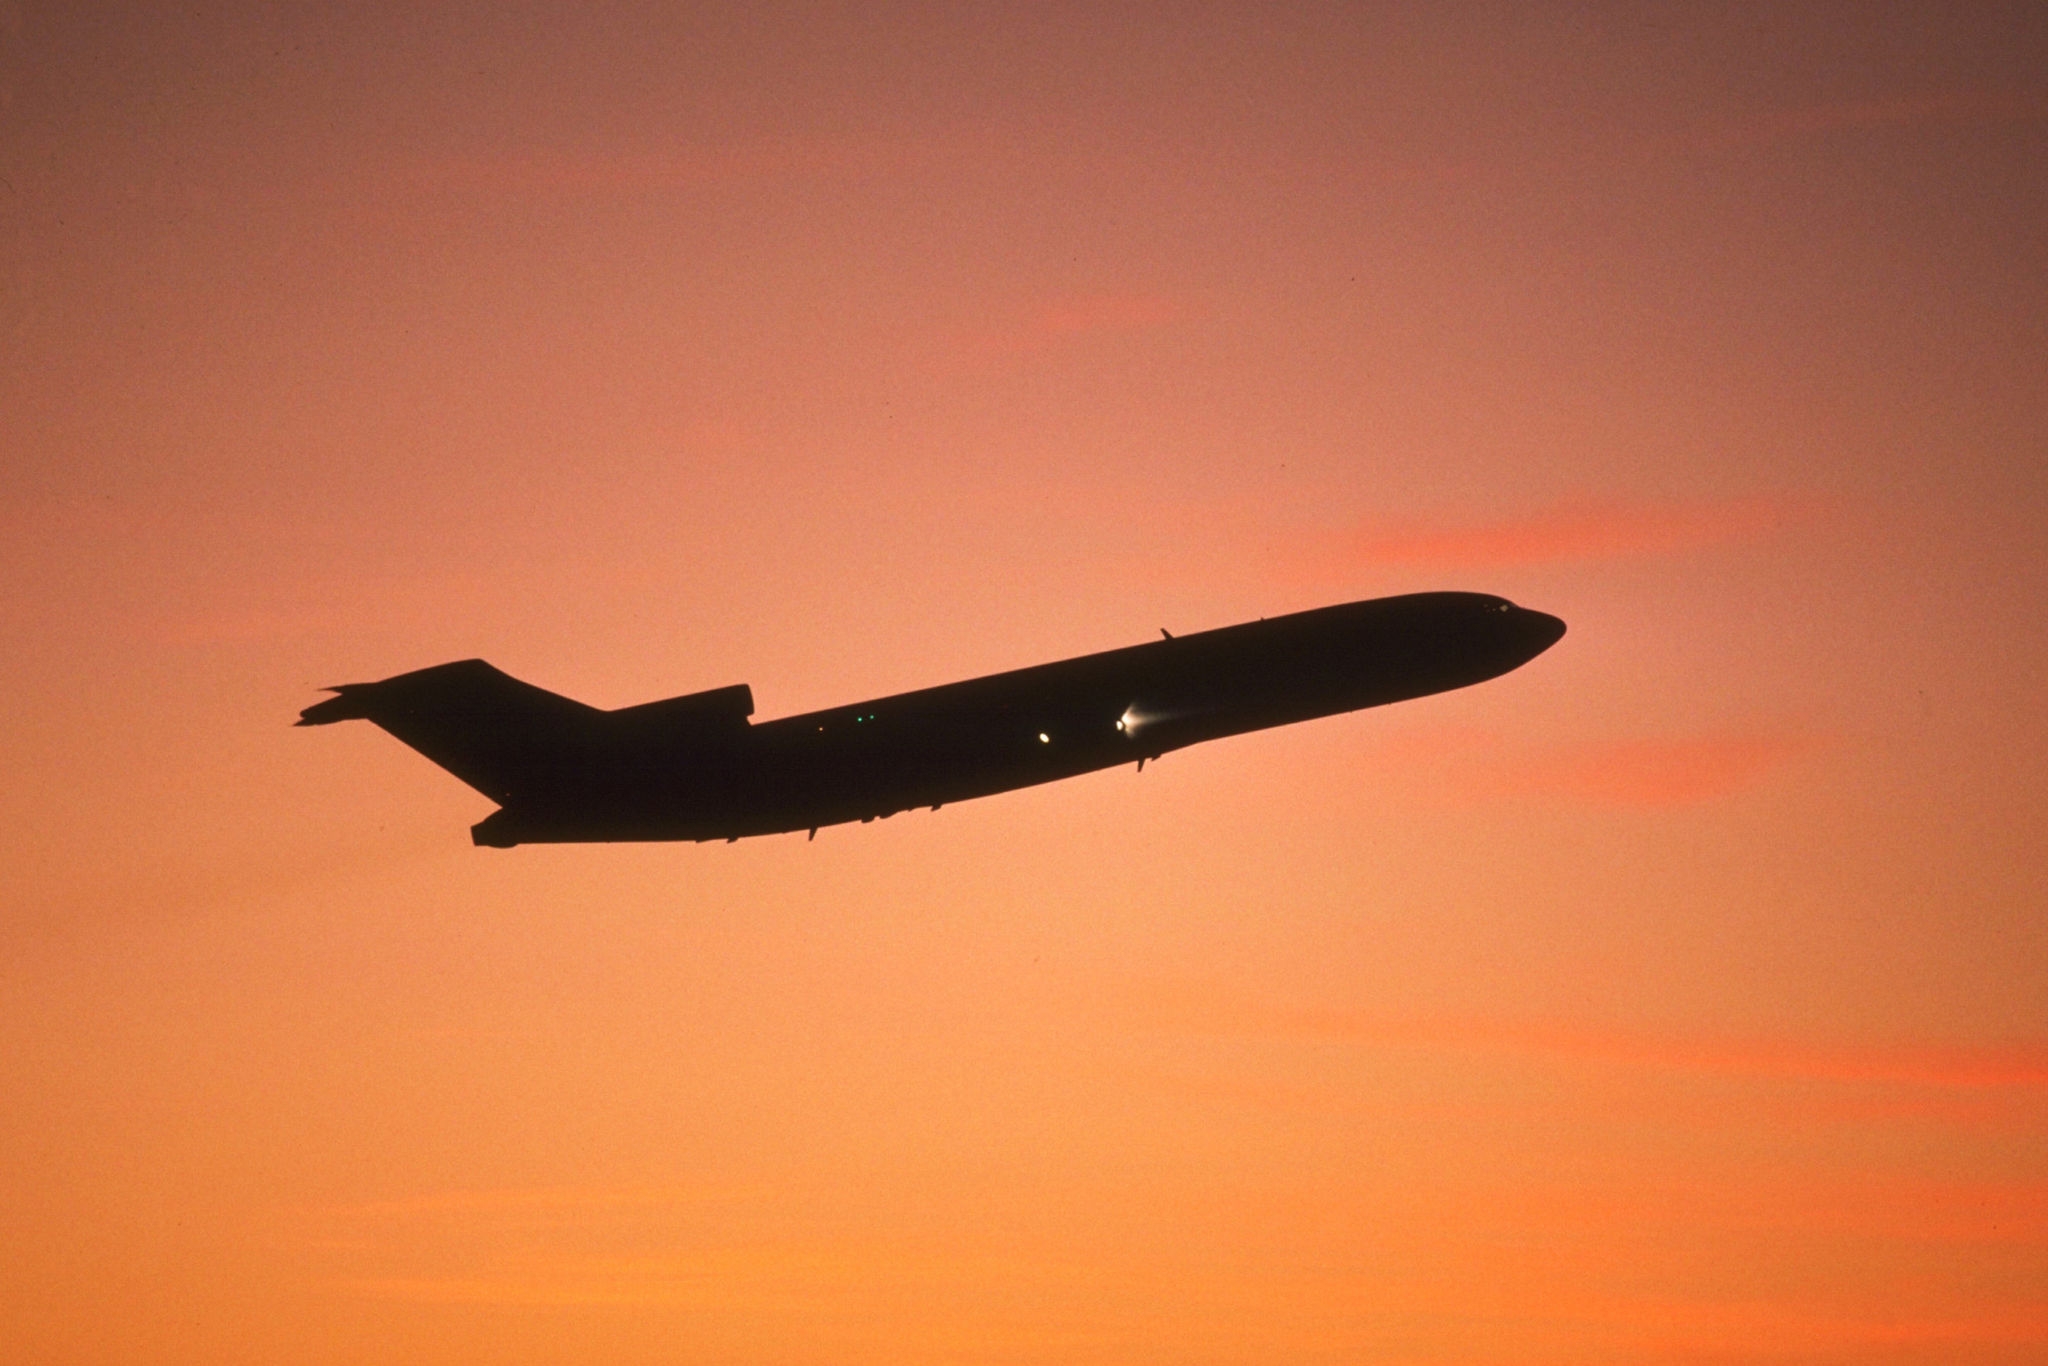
{"points": [[507, 739]]}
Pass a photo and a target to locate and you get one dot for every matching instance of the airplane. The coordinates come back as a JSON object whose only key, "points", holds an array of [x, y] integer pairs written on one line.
{"points": [[696, 768]]}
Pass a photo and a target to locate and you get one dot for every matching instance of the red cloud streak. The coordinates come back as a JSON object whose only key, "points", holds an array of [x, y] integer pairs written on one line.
{"points": [[2016, 1065], [1641, 773], [1653, 773], [2023, 1064], [1059, 322]]}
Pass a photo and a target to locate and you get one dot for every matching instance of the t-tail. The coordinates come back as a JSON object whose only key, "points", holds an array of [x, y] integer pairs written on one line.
{"points": [[509, 740], [530, 750]]}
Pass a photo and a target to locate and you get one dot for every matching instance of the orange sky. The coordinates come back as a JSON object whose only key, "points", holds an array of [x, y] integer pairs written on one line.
{"points": [[1678, 998]]}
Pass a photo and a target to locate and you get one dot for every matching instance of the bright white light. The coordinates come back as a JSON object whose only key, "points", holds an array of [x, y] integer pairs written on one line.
{"points": [[1044, 739], [1129, 721]]}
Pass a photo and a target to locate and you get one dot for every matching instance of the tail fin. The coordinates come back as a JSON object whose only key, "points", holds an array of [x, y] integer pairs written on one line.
{"points": [[504, 738]]}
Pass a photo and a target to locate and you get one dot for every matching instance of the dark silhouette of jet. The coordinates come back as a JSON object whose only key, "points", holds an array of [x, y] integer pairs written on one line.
{"points": [[695, 768]]}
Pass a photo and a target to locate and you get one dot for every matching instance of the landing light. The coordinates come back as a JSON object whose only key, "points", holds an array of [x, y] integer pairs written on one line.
{"points": [[1044, 739]]}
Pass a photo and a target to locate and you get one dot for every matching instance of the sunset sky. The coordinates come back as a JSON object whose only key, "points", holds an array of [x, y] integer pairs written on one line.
{"points": [[1680, 998]]}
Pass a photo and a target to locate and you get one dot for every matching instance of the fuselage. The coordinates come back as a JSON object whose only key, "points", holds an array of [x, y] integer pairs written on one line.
{"points": [[1034, 725]]}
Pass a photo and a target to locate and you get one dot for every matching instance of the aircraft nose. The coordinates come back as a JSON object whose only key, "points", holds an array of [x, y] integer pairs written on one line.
{"points": [[1537, 631]]}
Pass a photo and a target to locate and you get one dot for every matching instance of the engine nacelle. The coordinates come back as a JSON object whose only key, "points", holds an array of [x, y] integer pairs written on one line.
{"points": [[715, 710]]}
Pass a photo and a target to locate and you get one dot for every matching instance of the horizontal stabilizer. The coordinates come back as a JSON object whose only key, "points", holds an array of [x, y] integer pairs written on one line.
{"points": [[351, 705]]}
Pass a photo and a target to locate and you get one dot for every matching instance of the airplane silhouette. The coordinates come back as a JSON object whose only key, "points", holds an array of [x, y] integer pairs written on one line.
{"points": [[695, 768]]}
